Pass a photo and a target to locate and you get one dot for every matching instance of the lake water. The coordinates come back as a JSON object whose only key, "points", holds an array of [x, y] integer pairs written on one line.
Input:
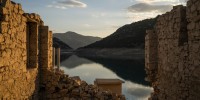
{"points": [[130, 71]]}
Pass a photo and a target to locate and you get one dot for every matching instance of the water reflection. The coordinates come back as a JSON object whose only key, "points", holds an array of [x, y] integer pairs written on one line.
{"points": [[73, 61], [131, 71]]}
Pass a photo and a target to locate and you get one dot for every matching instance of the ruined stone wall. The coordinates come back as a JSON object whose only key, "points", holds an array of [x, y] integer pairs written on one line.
{"points": [[45, 53], [22, 47], [175, 76], [17, 81], [193, 27]]}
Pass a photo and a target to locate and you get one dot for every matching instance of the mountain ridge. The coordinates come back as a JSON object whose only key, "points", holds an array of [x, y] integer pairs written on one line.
{"points": [[75, 40], [58, 43], [128, 36]]}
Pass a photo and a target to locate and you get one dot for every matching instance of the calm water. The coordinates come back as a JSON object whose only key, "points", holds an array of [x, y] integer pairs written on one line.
{"points": [[130, 71]]}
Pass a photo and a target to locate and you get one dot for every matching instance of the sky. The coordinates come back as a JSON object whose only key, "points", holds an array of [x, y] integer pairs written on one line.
{"points": [[95, 17]]}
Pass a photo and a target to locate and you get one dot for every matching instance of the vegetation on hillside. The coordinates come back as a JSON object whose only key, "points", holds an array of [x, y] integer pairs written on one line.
{"points": [[128, 36]]}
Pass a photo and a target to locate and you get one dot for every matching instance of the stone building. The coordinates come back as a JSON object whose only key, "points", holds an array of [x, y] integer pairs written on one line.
{"points": [[25, 44], [172, 54], [26, 71]]}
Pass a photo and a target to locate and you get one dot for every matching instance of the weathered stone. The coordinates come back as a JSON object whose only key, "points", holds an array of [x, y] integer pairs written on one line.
{"points": [[5, 3], [177, 53], [1, 39], [4, 27]]}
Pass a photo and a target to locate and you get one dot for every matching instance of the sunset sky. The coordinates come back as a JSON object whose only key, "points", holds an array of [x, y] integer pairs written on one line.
{"points": [[95, 17]]}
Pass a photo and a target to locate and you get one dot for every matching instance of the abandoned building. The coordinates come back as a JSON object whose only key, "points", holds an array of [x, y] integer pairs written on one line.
{"points": [[25, 44], [26, 67], [113, 85], [172, 54]]}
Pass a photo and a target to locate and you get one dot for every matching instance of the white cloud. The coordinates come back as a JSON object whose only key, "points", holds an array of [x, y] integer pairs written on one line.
{"points": [[173, 2], [144, 7], [72, 3], [64, 4], [140, 16]]}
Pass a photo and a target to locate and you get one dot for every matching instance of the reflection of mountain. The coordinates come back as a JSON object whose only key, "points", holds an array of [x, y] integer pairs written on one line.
{"points": [[64, 56], [132, 70], [73, 61]]}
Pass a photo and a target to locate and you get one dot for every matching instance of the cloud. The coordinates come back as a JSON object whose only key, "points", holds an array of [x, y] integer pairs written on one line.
{"points": [[140, 16], [144, 7], [64, 4], [142, 11], [72, 3], [153, 1]]}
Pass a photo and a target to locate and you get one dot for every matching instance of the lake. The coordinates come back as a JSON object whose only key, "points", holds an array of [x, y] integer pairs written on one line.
{"points": [[130, 71]]}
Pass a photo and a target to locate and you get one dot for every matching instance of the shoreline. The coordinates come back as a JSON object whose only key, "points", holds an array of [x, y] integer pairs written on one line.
{"points": [[111, 53]]}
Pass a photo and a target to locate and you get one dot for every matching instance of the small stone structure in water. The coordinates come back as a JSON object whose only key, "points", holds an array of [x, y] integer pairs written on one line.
{"points": [[172, 54], [114, 85], [26, 69]]}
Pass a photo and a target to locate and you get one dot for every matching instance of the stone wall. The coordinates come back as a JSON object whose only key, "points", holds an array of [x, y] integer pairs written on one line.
{"points": [[16, 80], [193, 18], [173, 58], [19, 49]]}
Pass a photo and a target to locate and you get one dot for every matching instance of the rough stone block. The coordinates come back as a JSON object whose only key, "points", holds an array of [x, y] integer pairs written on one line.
{"points": [[191, 26], [1, 39], [5, 3], [4, 27]]}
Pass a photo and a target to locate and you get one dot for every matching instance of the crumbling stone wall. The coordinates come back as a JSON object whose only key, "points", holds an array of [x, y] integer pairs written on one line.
{"points": [[16, 80], [175, 67], [19, 49], [193, 27]]}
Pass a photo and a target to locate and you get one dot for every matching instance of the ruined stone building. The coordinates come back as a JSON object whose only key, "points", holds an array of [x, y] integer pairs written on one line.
{"points": [[173, 54], [25, 44], [26, 71]]}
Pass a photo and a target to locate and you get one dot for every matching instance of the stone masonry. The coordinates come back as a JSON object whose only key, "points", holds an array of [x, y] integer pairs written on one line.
{"points": [[24, 46], [26, 71], [172, 54]]}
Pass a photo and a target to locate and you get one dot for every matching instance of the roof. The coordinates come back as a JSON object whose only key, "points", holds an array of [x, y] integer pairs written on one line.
{"points": [[108, 81]]}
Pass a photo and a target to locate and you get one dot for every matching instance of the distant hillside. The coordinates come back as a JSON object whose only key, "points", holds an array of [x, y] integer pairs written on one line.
{"points": [[76, 40], [128, 36], [58, 43]]}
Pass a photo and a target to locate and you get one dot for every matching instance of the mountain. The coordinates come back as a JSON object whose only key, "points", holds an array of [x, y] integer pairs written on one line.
{"points": [[128, 36], [58, 43], [75, 40]]}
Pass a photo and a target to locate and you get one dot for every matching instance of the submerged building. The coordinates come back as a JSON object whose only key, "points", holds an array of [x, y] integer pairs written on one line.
{"points": [[25, 47], [26, 68]]}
